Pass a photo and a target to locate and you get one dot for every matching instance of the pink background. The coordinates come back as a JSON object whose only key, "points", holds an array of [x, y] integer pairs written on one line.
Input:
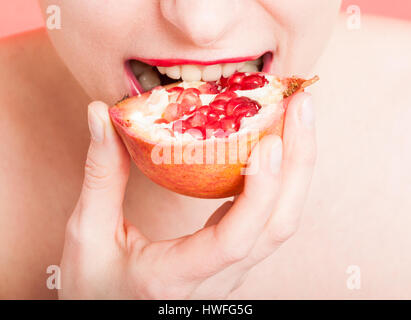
{"points": [[21, 15]]}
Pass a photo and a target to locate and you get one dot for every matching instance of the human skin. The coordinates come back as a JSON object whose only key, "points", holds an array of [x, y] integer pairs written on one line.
{"points": [[356, 211]]}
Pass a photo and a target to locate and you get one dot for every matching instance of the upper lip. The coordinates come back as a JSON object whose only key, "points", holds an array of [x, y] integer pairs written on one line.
{"points": [[174, 62]]}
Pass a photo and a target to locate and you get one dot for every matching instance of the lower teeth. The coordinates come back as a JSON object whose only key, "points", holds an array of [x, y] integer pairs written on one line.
{"points": [[149, 80]]}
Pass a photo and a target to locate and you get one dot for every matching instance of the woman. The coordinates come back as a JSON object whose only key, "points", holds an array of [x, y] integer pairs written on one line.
{"points": [[110, 230]]}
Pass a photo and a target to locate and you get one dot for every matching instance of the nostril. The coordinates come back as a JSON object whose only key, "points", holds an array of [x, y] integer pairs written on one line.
{"points": [[203, 22]]}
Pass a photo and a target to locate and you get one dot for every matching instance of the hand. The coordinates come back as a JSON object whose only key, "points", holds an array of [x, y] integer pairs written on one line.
{"points": [[105, 257]]}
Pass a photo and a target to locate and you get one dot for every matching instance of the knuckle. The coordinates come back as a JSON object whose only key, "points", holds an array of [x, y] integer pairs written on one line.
{"points": [[230, 253], [97, 176], [283, 232], [74, 232]]}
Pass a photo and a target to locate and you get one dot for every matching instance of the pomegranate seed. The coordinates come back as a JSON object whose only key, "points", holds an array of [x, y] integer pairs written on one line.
{"points": [[229, 124], [161, 120], [253, 81], [234, 103], [189, 100], [236, 78], [224, 82], [190, 91], [174, 93], [197, 132], [205, 110], [197, 120], [210, 87], [219, 133], [226, 96], [180, 126], [172, 112], [175, 90], [218, 105], [214, 129], [246, 110], [214, 115], [235, 87]]}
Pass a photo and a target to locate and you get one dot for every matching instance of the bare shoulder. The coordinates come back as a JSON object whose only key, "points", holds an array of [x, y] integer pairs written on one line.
{"points": [[29, 66], [367, 70], [377, 37], [40, 163]]}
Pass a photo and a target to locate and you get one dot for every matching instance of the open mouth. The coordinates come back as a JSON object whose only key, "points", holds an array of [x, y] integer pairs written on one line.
{"points": [[145, 75]]}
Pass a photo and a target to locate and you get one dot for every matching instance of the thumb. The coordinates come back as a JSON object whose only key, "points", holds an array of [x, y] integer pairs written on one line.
{"points": [[106, 172]]}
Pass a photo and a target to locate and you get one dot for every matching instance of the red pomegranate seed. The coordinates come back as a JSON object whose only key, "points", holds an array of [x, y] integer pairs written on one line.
{"points": [[253, 81], [175, 90], [214, 129], [245, 111], [215, 115], [226, 96], [224, 82], [234, 103], [180, 126], [174, 93], [235, 87], [172, 112], [236, 78], [190, 91], [161, 120], [218, 105], [205, 110], [229, 124], [189, 100], [210, 87], [197, 132], [197, 119]]}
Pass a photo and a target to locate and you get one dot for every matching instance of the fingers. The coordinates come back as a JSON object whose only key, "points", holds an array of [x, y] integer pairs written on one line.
{"points": [[106, 174], [216, 247], [219, 214], [298, 166]]}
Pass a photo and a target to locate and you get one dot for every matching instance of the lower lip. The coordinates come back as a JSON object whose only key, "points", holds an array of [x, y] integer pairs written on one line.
{"points": [[136, 89]]}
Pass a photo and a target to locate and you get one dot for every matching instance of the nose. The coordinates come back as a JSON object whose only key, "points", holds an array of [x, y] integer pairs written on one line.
{"points": [[202, 21]]}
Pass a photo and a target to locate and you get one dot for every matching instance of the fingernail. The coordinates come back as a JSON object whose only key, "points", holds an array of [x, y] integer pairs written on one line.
{"points": [[276, 157], [307, 112], [96, 127]]}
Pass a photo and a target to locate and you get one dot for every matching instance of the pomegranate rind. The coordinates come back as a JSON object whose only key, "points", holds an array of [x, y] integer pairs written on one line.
{"points": [[220, 179]]}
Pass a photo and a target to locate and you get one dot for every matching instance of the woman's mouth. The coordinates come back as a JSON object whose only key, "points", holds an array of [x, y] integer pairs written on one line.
{"points": [[144, 74]]}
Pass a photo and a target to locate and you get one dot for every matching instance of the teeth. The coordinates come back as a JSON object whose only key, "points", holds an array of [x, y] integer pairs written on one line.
{"points": [[138, 67], [248, 67], [240, 65], [256, 62], [190, 73], [173, 72], [162, 70], [229, 69], [212, 72], [198, 72], [149, 79]]}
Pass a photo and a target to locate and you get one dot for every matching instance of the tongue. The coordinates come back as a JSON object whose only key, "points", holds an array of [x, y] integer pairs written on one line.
{"points": [[146, 76]]}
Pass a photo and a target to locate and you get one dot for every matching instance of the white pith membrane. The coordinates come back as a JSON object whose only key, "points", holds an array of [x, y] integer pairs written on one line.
{"points": [[142, 117]]}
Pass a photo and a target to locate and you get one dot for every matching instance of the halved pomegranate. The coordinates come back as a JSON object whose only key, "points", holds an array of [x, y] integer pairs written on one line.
{"points": [[195, 137]]}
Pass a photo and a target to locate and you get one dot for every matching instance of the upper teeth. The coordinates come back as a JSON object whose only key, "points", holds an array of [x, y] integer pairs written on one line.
{"points": [[210, 72], [148, 79]]}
